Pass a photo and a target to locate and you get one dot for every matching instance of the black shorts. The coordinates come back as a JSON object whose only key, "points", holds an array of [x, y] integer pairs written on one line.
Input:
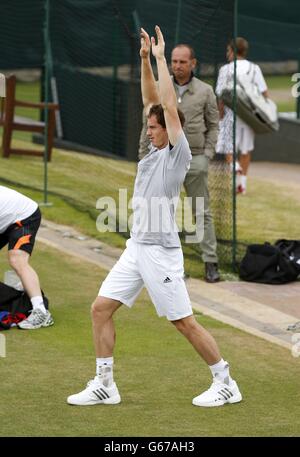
{"points": [[21, 235]]}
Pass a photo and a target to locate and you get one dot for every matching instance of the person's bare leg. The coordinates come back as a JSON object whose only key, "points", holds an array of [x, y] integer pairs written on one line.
{"points": [[201, 339], [102, 389], [245, 162], [229, 158], [223, 389], [40, 316], [103, 325], [19, 261]]}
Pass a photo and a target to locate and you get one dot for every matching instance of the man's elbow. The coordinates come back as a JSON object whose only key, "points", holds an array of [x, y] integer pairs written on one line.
{"points": [[213, 127]]}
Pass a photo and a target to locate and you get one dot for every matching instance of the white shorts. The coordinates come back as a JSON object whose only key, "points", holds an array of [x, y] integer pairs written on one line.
{"points": [[157, 268], [244, 137]]}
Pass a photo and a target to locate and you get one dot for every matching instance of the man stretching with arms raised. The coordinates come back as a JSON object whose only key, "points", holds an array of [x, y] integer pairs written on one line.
{"points": [[153, 258]]}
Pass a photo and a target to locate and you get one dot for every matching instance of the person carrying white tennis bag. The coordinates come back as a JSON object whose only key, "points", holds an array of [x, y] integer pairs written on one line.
{"points": [[256, 113]]}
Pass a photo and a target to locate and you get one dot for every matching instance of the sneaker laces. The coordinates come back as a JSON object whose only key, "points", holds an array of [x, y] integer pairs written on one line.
{"points": [[36, 316], [94, 382], [99, 382], [216, 386]]}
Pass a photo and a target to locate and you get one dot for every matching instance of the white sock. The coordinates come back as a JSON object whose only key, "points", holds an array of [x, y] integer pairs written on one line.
{"points": [[238, 181], [244, 181], [104, 369], [38, 302], [220, 371], [238, 168]]}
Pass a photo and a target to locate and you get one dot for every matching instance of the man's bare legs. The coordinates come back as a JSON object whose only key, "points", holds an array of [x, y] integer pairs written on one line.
{"points": [[40, 317], [104, 337], [241, 170], [228, 158], [103, 326], [202, 341], [102, 389], [245, 162], [223, 389], [19, 261], [104, 332]]}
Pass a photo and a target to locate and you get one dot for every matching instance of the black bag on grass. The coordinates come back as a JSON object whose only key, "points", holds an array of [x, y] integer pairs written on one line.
{"points": [[291, 250], [16, 301], [267, 264]]}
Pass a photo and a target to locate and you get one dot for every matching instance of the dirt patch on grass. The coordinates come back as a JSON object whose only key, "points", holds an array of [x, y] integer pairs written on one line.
{"points": [[281, 95]]}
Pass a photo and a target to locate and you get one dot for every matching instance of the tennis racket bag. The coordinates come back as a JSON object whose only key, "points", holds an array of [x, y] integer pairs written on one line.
{"points": [[259, 112]]}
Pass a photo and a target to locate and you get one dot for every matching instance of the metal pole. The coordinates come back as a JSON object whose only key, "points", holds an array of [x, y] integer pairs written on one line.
{"points": [[298, 98], [47, 85], [234, 231], [136, 42], [115, 54], [177, 30]]}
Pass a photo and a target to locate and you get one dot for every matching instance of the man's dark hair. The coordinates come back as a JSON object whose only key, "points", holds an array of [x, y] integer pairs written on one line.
{"points": [[157, 110], [242, 46]]}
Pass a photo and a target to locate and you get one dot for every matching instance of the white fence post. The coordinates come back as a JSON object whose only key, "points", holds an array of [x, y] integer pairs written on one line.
{"points": [[2, 346]]}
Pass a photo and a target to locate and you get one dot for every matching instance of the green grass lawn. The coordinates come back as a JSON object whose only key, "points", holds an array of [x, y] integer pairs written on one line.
{"points": [[279, 82], [286, 107], [269, 212], [282, 83], [29, 92], [157, 371]]}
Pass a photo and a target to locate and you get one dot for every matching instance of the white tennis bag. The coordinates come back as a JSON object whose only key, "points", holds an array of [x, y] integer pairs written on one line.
{"points": [[259, 112]]}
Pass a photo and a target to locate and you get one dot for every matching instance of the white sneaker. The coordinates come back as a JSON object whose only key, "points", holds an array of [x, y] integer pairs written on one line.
{"points": [[36, 319], [95, 394], [218, 394]]}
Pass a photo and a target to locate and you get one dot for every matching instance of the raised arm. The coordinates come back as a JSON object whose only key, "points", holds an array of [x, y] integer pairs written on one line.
{"points": [[166, 89], [149, 90]]}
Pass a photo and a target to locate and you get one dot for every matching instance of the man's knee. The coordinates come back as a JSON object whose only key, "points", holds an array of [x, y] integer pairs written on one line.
{"points": [[104, 307], [18, 259], [186, 324]]}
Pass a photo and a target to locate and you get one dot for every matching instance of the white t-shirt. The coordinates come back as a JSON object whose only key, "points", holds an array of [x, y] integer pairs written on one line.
{"points": [[181, 91], [160, 175], [14, 207]]}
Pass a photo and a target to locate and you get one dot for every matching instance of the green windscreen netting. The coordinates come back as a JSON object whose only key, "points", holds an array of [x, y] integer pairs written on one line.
{"points": [[94, 71], [272, 29]]}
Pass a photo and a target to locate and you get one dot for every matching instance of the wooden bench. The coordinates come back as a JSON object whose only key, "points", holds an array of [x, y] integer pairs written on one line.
{"points": [[10, 122]]}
